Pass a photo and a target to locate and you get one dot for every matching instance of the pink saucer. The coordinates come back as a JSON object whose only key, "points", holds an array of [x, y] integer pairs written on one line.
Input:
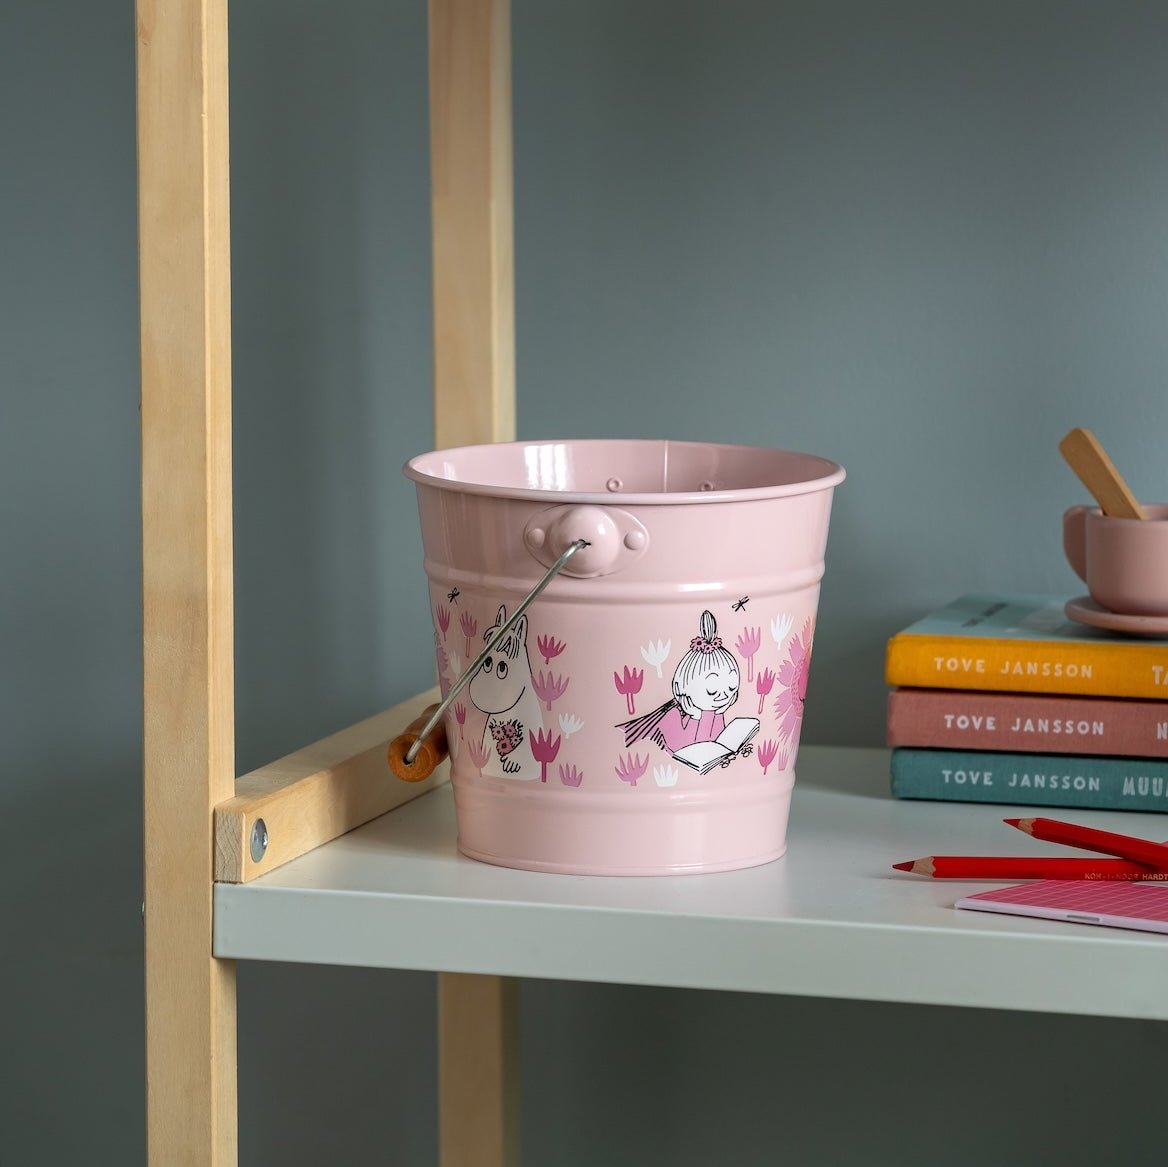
{"points": [[1084, 610]]}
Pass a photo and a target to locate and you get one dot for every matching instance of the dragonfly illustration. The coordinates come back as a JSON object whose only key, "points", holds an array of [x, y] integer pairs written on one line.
{"points": [[741, 604], [453, 595]]}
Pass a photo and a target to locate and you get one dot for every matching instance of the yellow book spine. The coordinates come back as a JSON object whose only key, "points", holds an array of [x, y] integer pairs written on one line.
{"points": [[1027, 666]]}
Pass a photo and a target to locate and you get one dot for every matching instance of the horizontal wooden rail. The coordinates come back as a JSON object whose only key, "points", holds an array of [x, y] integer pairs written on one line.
{"points": [[315, 794]]}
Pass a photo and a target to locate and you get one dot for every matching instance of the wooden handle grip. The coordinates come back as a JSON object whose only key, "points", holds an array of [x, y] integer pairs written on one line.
{"points": [[430, 754]]}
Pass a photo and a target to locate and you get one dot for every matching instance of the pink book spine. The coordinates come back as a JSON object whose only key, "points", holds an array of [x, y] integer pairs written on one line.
{"points": [[954, 719]]}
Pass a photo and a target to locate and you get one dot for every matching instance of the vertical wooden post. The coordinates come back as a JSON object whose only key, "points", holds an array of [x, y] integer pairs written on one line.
{"points": [[478, 1071], [474, 402], [472, 221], [187, 572]]}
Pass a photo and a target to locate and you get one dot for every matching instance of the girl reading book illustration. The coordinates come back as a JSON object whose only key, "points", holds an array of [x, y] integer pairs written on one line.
{"points": [[705, 685]]}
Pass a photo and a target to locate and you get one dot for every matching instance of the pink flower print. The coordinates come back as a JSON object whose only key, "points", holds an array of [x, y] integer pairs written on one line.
{"points": [[763, 684], [549, 647], [478, 755], [570, 776], [629, 686], [544, 750], [793, 679], [747, 644], [507, 734], [469, 626], [443, 615], [549, 688], [460, 717], [766, 753], [631, 767]]}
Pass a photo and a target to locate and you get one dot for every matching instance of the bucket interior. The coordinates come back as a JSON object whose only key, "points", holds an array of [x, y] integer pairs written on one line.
{"points": [[652, 471]]}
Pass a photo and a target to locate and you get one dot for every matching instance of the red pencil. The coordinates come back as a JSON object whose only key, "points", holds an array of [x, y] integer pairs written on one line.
{"points": [[1029, 867], [1090, 839]]}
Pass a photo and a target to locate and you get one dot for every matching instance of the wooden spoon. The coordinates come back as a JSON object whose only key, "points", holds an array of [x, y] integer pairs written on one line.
{"points": [[1089, 460]]}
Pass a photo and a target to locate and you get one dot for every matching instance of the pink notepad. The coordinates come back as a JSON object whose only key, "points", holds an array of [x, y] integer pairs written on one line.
{"points": [[1114, 903]]}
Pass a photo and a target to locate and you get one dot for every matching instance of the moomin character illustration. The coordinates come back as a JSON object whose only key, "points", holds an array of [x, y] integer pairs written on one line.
{"points": [[502, 689], [692, 724]]}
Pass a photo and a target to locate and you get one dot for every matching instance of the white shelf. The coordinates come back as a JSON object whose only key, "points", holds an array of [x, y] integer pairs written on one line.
{"points": [[830, 919]]}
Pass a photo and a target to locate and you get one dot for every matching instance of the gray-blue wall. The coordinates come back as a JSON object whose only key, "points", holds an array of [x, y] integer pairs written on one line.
{"points": [[924, 239]]}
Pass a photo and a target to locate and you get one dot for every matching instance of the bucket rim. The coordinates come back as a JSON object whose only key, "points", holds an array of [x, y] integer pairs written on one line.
{"points": [[833, 474]]}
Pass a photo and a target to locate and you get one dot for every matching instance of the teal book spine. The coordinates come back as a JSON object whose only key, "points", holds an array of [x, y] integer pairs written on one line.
{"points": [[1031, 779]]}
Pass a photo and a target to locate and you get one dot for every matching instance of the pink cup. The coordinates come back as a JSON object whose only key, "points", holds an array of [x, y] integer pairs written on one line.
{"points": [[1123, 562], [643, 716]]}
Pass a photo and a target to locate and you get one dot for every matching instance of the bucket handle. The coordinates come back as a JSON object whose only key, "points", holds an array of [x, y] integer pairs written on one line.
{"points": [[473, 667]]}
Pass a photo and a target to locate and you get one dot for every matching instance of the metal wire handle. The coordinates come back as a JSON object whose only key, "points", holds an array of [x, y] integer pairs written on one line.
{"points": [[508, 624]]}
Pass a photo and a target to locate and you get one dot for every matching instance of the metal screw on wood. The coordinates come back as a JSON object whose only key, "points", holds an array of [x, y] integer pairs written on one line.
{"points": [[259, 840]]}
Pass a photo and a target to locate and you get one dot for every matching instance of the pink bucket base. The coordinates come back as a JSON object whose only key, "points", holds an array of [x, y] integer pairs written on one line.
{"points": [[575, 869], [669, 833]]}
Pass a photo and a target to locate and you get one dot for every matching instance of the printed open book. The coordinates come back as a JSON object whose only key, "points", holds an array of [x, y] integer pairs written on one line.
{"points": [[704, 756]]}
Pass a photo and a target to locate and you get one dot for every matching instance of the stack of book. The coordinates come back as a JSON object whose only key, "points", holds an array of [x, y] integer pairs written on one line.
{"points": [[1003, 699]]}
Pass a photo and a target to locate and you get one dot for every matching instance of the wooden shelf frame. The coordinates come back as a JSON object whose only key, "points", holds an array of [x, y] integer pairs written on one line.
{"points": [[198, 819]]}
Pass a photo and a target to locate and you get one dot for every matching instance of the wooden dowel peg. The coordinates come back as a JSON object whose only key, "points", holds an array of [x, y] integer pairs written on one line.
{"points": [[431, 753]]}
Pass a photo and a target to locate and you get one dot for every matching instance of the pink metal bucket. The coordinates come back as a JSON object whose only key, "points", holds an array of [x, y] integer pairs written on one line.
{"points": [[643, 716]]}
